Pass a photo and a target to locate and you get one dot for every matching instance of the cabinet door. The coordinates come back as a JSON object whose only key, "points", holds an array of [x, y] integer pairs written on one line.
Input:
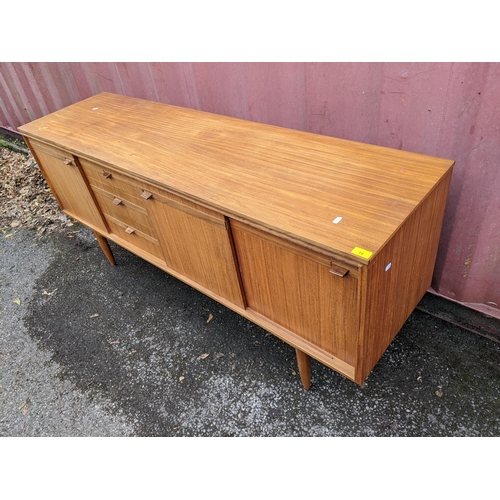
{"points": [[300, 290], [68, 184], [196, 243]]}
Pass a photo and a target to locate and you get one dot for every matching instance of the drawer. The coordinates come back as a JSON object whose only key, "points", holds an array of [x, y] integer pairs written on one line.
{"points": [[111, 181], [134, 236], [124, 211]]}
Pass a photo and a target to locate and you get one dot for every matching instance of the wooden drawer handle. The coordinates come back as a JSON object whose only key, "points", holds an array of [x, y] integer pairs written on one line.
{"points": [[129, 230], [69, 161], [339, 271], [117, 201], [146, 195], [106, 175]]}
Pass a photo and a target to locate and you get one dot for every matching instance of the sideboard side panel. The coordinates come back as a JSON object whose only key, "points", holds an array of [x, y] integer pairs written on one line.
{"points": [[398, 277]]}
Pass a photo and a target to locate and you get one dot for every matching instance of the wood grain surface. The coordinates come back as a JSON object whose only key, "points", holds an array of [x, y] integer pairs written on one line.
{"points": [[196, 244], [298, 293], [277, 224], [398, 277], [292, 182], [69, 185]]}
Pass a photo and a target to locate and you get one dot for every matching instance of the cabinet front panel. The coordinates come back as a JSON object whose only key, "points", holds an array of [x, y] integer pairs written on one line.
{"points": [[196, 245], [68, 184], [299, 293]]}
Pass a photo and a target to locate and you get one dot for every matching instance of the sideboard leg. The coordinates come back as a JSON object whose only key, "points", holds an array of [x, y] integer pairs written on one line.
{"points": [[103, 243], [304, 362]]}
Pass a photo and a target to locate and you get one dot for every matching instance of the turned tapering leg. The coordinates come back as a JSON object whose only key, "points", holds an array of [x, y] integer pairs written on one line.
{"points": [[304, 363], [103, 243]]}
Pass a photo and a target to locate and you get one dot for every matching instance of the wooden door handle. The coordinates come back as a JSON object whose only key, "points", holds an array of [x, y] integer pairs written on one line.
{"points": [[339, 271], [69, 161], [106, 175], [146, 195], [117, 201], [129, 230]]}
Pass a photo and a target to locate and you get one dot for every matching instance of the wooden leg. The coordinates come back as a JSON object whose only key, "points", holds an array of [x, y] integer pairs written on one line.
{"points": [[103, 243], [304, 362]]}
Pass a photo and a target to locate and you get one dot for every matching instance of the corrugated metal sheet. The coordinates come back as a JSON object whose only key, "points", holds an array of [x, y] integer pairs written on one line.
{"points": [[444, 109]]}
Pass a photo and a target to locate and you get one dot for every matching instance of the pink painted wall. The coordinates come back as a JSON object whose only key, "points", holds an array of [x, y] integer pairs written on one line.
{"points": [[444, 109]]}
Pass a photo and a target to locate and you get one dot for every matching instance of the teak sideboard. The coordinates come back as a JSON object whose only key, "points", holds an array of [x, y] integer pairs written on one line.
{"points": [[326, 243]]}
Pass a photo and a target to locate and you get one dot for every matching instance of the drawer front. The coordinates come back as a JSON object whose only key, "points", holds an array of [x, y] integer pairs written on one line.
{"points": [[119, 198], [310, 295], [124, 211], [112, 182], [134, 236]]}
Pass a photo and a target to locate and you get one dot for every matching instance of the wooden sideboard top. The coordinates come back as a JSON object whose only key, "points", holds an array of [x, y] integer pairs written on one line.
{"points": [[296, 183]]}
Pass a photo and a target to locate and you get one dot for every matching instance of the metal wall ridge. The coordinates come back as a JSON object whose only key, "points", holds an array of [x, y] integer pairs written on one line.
{"points": [[451, 110]]}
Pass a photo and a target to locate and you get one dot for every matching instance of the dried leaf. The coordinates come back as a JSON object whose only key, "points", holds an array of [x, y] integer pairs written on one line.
{"points": [[203, 356], [17, 301], [49, 293], [181, 379], [117, 341], [24, 407], [93, 315], [210, 318], [439, 393], [25, 198]]}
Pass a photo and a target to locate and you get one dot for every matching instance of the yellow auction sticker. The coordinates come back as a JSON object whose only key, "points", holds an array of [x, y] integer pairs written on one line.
{"points": [[366, 254]]}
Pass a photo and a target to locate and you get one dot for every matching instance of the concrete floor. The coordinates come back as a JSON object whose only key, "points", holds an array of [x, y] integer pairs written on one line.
{"points": [[95, 350]]}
